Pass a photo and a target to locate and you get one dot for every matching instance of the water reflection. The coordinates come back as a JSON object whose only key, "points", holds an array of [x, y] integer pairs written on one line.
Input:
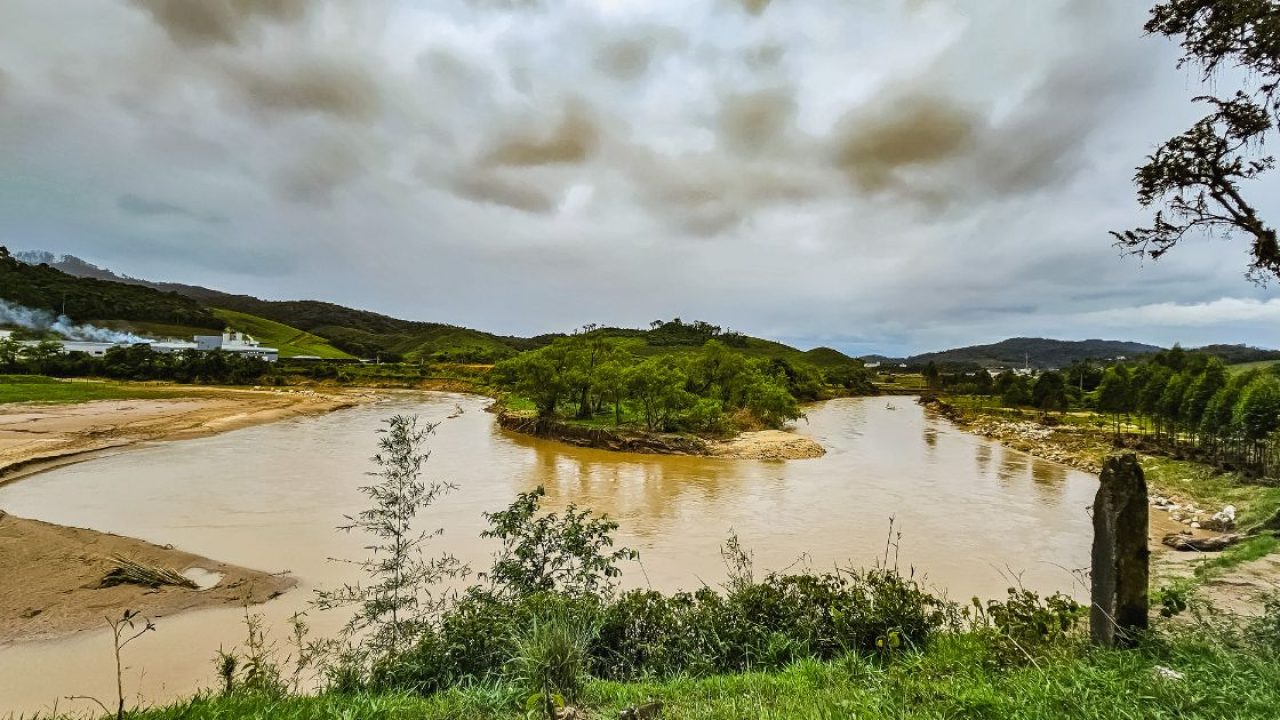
{"points": [[982, 457]]}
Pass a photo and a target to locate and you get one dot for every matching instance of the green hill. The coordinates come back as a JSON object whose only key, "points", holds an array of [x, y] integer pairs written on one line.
{"points": [[313, 327], [1037, 352], [91, 300], [290, 341]]}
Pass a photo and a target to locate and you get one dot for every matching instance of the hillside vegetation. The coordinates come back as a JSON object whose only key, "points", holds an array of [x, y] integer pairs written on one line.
{"points": [[40, 287], [290, 341], [1038, 352]]}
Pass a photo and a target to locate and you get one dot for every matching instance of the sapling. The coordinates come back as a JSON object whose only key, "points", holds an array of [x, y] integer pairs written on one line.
{"points": [[401, 596]]}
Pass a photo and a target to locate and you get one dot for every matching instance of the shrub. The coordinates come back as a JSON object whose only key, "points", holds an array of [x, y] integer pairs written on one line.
{"points": [[1025, 626]]}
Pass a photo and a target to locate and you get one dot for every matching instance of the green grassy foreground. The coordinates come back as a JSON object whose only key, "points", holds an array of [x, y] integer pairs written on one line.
{"points": [[953, 679], [41, 389]]}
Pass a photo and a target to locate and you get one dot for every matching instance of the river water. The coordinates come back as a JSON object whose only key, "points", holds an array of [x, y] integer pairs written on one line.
{"points": [[974, 517]]}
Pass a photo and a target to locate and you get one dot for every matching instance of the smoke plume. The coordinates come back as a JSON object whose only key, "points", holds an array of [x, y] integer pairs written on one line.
{"points": [[45, 321]]}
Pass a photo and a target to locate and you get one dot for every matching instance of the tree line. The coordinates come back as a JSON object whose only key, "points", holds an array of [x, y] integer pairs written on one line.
{"points": [[1188, 400], [41, 287], [713, 389], [134, 362]]}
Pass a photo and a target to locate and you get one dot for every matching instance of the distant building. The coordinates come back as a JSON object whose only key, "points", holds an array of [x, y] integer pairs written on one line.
{"points": [[229, 341], [239, 343], [875, 364]]}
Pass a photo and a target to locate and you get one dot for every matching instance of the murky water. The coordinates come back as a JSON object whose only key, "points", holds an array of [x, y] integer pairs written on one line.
{"points": [[973, 516]]}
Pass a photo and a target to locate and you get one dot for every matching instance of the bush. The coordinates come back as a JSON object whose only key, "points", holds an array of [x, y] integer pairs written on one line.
{"points": [[1024, 626]]}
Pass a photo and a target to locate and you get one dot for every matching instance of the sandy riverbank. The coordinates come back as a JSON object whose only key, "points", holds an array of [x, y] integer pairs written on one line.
{"points": [[35, 437], [52, 573]]}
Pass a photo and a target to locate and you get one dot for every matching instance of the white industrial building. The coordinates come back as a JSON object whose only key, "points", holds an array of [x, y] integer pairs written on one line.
{"points": [[229, 341], [237, 342]]}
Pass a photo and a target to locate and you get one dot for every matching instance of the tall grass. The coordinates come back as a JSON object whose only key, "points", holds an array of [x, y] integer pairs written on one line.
{"points": [[551, 658]]}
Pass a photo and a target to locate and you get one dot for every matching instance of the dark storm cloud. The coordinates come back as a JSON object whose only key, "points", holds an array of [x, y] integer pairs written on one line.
{"points": [[319, 166], [751, 123], [625, 59], [573, 139], [149, 207], [195, 23], [343, 88], [754, 7], [881, 144], [489, 187]]}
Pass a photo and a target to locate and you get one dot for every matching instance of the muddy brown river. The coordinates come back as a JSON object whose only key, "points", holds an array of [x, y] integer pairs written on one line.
{"points": [[974, 517]]}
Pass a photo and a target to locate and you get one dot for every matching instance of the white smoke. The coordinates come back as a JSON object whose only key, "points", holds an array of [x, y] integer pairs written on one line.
{"points": [[45, 321]]}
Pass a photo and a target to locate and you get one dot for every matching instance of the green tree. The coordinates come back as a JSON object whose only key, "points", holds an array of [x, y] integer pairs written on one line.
{"points": [[1115, 393], [567, 553], [544, 376], [1207, 384], [1258, 411], [1014, 389], [931, 375], [658, 386], [399, 601], [1198, 176], [611, 384], [1050, 392]]}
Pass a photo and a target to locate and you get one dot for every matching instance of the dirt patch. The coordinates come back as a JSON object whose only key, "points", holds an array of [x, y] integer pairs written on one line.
{"points": [[53, 574]]}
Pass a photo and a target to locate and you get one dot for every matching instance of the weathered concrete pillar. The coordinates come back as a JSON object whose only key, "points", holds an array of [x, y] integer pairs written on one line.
{"points": [[1120, 553]]}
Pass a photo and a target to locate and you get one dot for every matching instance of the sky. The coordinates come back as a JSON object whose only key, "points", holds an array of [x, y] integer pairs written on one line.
{"points": [[878, 176]]}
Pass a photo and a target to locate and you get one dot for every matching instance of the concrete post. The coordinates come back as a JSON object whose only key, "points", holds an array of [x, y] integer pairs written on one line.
{"points": [[1120, 554]]}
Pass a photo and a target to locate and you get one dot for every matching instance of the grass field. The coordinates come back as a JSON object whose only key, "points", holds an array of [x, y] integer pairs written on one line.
{"points": [[290, 341], [1245, 367], [952, 679], [40, 389]]}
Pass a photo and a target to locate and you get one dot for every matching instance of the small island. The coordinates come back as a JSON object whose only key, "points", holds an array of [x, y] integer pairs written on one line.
{"points": [[678, 388]]}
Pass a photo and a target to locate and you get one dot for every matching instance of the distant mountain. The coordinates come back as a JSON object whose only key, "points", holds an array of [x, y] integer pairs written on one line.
{"points": [[307, 325], [93, 298], [1039, 353], [1237, 354]]}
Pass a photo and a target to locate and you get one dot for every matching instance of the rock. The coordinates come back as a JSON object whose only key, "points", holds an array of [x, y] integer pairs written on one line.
{"points": [[1186, 542], [648, 711], [1163, 673], [1224, 519], [1195, 525]]}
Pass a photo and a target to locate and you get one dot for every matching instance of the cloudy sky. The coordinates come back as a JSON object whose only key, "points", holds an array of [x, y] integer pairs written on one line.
{"points": [[875, 175]]}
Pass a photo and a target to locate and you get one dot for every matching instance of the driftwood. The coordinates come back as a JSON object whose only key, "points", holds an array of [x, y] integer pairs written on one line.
{"points": [[1187, 543], [133, 572]]}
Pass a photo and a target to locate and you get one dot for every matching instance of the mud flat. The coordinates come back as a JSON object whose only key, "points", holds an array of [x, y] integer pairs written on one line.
{"points": [[53, 580], [53, 574], [35, 437]]}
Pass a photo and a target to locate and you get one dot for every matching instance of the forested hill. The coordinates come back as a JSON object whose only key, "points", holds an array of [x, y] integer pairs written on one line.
{"points": [[89, 299], [368, 334], [1037, 352]]}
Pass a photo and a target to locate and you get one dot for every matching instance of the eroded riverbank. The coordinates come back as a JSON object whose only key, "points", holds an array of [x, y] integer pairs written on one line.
{"points": [[752, 445]]}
